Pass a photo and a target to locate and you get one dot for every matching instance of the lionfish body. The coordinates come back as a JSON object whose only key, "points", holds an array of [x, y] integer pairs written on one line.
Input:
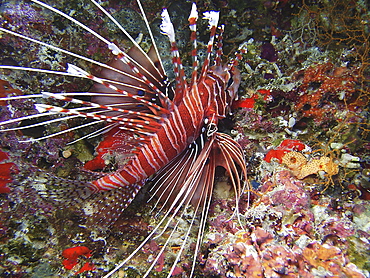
{"points": [[174, 137]]}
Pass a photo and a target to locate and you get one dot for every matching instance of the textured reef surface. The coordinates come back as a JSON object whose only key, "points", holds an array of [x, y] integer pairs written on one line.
{"points": [[302, 118]]}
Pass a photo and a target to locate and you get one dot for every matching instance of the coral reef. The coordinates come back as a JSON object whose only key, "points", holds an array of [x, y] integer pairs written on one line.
{"points": [[302, 118], [288, 233]]}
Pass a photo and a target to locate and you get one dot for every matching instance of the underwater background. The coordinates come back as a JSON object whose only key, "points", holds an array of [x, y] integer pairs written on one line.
{"points": [[302, 118]]}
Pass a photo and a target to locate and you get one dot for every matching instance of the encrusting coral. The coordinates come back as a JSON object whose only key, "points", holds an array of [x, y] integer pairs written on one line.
{"points": [[288, 233], [302, 168], [287, 153], [294, 160]]}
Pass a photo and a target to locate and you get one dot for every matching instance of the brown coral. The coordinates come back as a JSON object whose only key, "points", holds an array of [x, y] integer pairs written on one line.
{"points": [[330, 258], [320, 81]]}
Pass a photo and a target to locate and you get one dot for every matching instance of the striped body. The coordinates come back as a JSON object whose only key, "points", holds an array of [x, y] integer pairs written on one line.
{"points": [[183, 125], [205, 102]]}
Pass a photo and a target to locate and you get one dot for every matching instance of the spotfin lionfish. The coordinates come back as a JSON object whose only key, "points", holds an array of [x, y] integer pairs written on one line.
{"points": [[171, 130]]}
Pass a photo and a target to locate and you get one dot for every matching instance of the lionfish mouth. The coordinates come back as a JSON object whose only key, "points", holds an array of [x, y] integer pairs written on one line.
{"points": [[159, 132]]}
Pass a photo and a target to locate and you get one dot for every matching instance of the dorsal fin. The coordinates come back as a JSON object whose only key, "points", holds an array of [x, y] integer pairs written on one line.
{"points": [[193, 37], [212, 17], [168, 30]]}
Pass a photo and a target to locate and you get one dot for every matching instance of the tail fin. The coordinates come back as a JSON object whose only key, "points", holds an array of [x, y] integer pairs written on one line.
{"points": [[101, 209], [60, 190]]}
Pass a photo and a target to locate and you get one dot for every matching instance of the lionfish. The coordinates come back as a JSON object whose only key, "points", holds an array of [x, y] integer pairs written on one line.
{"points": [[170, 128]]}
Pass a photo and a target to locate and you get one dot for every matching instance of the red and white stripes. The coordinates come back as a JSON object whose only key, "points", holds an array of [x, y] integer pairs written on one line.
{"points": [[193, 38], [168, 30]]}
